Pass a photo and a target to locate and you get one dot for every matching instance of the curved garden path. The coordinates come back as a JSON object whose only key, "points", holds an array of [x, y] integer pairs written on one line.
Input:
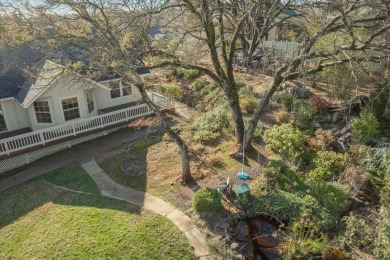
{"points": [[86, 156], [110, 188]]}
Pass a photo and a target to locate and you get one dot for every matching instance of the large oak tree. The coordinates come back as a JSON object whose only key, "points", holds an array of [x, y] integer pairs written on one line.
{"points": [[108, 36], [222, 29]]}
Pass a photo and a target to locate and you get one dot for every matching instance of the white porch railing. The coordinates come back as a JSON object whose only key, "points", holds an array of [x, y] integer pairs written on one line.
{"points": [[41, 137], [159, 100]]}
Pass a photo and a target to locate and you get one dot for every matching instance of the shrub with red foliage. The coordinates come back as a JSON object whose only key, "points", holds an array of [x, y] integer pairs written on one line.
{"points": [[321, 140], [321, 104]]}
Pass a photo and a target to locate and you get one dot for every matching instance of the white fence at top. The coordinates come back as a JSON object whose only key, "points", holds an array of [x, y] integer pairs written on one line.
{"points": [[21, 142], [288, 48]]}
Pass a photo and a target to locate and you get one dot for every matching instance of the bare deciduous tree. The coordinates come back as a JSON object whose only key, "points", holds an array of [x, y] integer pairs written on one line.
{"points": [[220, 30], [358, 29], [107, 37]]}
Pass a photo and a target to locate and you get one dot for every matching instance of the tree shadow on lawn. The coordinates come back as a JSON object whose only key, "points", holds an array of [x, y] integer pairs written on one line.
{"points": [[129, 166], [23, 199], [255, 156]]}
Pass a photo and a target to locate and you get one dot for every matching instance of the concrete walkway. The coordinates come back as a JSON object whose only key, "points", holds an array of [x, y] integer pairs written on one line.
{"points": [[86, 157], [110, 188], [81, 156]]}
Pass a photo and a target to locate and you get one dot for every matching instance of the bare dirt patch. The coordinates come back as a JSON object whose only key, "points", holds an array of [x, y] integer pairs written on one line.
{"points": [[134, 167]]}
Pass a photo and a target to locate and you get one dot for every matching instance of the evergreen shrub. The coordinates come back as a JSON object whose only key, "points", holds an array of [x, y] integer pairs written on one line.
{"points": [[173, 90], [385, 191], [333, 163], [320, 174], [382, 241], [357, 232], [280, 176], [285, 140], [304, 114], [330, 195], [365, 128], [209, 126], [191, 74], [199, 84], [207, 200], [295, 206]]}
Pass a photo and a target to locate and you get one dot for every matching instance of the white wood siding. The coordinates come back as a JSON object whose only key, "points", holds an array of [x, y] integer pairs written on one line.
{"points": [[68, 86], [15, 115], [65, 87], [76, 127], [103, 97], [273, 34]]}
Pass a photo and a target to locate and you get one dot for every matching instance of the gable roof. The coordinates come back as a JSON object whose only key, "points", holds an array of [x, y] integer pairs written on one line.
{"points": [[156, 32], [12, 63], [46, 76], [15, 83]]}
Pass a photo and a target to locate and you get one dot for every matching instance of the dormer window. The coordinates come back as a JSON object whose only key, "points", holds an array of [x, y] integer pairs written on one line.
{"points": [[115, 90], [120, 89], [127, 89]]}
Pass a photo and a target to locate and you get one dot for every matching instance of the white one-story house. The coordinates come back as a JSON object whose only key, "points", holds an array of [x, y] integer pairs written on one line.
{"points": [[57, 97], [53, 104]]}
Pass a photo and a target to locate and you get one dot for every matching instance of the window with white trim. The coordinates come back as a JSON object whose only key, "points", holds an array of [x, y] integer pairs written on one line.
{"points": [[70, 106], [89, 98], [42, 112], [127, 89], [120, 89], [115, 90], [3, 126]]}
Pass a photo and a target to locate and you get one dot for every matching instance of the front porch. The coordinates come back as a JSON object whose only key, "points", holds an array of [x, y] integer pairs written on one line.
{"points": [[16, 142], [120, 107], [10, 134]]}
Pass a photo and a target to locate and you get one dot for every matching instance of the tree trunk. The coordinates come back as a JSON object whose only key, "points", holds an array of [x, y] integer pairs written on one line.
{"points": [[185, 163], [239, 126], [259, 111], [185, 160]]}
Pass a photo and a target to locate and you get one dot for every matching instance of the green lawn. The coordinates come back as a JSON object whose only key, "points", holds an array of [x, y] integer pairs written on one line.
{"points": [[41, 221], [72, 177], [85, 145]]}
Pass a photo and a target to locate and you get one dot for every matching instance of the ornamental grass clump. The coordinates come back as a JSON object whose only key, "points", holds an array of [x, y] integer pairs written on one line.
{"points": [[248, 104], [191, 74]]}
